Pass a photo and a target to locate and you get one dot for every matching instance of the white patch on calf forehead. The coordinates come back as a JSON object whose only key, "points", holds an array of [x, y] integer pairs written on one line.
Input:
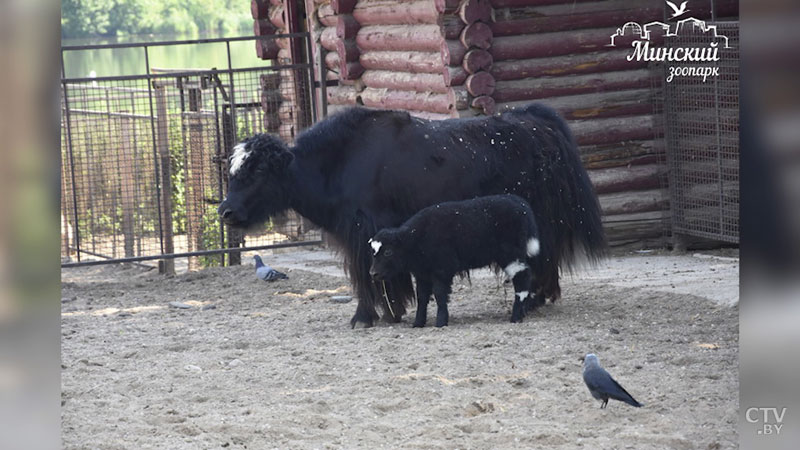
{"points": [[515, 268], [376, 246], [240, 154], [522, 295], [533, 247]]}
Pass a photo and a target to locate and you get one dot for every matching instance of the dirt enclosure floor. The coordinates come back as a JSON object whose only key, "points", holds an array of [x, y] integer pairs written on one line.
{"points": [[241, 363]]}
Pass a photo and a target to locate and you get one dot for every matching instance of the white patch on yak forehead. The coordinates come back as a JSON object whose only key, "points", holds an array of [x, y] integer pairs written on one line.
{"points": [[533, 247], [522, 295], [376, 245], [240, 154]]}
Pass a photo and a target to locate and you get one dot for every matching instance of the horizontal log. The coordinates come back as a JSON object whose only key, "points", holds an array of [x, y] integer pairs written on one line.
{"points": [[443, 103], [259, 9], [328, 39], [451, 26], [420, 82], [618, 154], [343, 6], [402, 61], [421, 38], [477, 60], [536, 88], [263, 27], [276, 16], [267, 48], [512, 21], [608, 61], [454, 75], [432, 116], [522, 3], [476, 35], [617, 129], [597, 105], [481, 83], [637, 230], [391, 12], [633, 201], [452, 52], [528, 46], [485, 104], [619, 179], [326, 15], [341, 95], [346, 26], [471, 11]]}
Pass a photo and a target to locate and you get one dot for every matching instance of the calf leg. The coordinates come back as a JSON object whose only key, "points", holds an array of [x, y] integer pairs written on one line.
{"points": [[424, 289], [441, 291], [522, 284]]}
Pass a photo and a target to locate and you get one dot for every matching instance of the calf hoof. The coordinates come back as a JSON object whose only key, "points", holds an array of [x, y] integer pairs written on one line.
{"points": [[419, 324], [516, 319], [441, 322]]}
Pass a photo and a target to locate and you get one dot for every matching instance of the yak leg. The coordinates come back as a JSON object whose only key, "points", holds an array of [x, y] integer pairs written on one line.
{"points": [[424, 289], [441, 291], [365, 311]]}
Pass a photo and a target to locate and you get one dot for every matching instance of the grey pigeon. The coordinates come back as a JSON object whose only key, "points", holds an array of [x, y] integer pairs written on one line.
{"points": [[266, 272], [601, 385]]}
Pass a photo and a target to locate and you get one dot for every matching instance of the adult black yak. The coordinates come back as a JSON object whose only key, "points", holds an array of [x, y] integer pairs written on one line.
{"points": [[449, 238], [362, 170]]}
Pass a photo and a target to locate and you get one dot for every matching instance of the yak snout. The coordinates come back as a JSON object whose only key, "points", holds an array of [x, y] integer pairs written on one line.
{"points": [[228, 213], [374, 274]]}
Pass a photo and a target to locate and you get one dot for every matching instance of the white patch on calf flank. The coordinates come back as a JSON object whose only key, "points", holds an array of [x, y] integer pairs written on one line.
{"points": [[240, 154], [533, 247], [376, 246], [515, 268]]}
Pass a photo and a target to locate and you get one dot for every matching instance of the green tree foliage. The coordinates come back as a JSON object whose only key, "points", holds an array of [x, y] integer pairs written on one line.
{"points": [[87, 18]]}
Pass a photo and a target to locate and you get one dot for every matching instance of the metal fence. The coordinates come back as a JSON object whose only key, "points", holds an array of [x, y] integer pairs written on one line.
{"points": [[701, 119], [144, 156]]}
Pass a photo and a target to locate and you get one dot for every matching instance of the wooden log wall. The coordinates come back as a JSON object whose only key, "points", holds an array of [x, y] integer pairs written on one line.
{"points": [[457, 58], [556, 52]]}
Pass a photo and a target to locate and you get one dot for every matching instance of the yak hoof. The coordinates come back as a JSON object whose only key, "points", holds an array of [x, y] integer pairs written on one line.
{"points": [[441, 323], [368, 322], [419, 325]]}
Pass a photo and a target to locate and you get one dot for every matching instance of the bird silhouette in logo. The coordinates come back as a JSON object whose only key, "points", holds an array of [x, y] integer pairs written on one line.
{"points": [[678, 11]]}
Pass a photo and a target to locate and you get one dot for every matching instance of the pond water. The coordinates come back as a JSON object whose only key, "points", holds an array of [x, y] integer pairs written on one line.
{"points": [[131, 61]]}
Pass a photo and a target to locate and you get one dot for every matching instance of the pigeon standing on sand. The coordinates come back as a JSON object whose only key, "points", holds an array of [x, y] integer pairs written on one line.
{"points": [[601, 385], [266, 272]]}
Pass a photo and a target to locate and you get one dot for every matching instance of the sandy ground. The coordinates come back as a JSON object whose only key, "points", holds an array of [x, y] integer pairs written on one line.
{"points": [[275, 365]]}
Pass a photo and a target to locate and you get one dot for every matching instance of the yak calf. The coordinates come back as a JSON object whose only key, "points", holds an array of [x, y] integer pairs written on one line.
{"points": [[449, 238]]}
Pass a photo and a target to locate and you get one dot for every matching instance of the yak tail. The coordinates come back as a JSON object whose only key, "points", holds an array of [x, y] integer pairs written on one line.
{"points": [[357, 260], [576, 225]]}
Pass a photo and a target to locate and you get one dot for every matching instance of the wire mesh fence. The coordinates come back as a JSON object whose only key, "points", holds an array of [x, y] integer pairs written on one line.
{"points": [[144, 157], [702, 133]]}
